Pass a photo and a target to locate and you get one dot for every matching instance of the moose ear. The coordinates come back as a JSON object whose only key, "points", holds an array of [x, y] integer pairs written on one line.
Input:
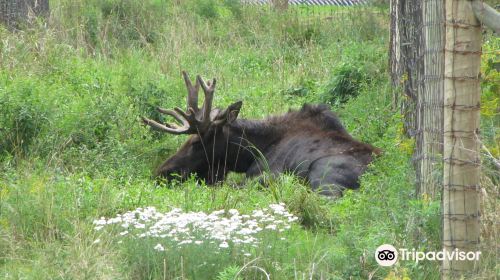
{"points": [[229, 115], [232, 111]]}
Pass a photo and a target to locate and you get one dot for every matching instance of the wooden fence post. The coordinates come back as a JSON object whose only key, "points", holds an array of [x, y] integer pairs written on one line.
{"points": [[12, 12], [461, 221]]}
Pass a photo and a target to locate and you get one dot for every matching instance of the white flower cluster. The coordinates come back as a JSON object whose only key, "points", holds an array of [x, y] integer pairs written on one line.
{"points": [[182, 228]]}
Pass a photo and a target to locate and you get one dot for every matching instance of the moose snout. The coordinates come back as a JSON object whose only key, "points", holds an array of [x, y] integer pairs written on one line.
{"points": [[170, 174]]}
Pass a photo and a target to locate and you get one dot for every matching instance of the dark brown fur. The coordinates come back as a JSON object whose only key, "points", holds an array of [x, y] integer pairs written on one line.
{"points": [[310, 142]]}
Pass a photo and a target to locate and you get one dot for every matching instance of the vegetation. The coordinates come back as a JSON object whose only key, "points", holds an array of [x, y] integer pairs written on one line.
{"points": [[72, 148]]}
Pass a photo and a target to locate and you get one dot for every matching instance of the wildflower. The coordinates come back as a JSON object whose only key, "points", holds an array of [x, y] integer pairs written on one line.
{"points": [[248, 240], [245, 231], [101, 221], [258, 213], [182, 228], [218, 212], [271, 227], [139, 225], [114, 220], [278, 208], [159, 248]]}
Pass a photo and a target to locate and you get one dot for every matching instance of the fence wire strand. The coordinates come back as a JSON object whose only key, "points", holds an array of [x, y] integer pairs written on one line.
{"points": [[417, 70]]}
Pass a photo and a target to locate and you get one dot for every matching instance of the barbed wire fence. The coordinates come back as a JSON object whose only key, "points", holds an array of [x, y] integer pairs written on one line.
{"points": [[421, 38], [417, 61], [417, 64], [311, 10]]}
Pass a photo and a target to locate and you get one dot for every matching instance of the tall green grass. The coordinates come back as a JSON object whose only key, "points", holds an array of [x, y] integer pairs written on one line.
{"points": [[72, 148]]}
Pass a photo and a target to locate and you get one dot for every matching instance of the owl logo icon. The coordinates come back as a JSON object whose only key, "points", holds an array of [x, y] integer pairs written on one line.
{"points": [[386, 255]]}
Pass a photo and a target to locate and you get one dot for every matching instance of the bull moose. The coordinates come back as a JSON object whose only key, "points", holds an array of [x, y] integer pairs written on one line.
{"points": [[310, 143]]}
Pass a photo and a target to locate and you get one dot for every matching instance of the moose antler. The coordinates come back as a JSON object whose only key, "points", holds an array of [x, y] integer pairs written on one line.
{"points": [[193, 120]]}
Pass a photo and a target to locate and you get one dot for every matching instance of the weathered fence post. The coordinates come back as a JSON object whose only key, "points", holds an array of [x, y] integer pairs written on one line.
{"points": [[404, 57], [12, 12], [395, 64], [461, 224]]}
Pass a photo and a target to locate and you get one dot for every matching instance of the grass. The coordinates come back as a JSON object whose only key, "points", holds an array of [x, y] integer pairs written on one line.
{"points": [[72, 148]]}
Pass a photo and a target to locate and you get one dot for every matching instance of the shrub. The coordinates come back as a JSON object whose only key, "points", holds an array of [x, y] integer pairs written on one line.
{"points": [[23, 118], [207, 9], [346, 83]]}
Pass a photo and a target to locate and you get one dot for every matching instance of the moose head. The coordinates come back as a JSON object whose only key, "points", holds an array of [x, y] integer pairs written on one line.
{"points": [[207, 152]]}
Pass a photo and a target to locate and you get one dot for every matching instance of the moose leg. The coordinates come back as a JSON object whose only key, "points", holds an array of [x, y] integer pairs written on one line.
{"points": [[331, 175]]}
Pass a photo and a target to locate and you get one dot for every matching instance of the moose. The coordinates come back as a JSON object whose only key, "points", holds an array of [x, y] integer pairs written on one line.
{"points": [[310, 143]]}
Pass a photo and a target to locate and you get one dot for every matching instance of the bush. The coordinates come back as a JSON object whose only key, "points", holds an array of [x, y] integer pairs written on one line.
{"points": [[207, 9], [346, 83], [23, 118]]}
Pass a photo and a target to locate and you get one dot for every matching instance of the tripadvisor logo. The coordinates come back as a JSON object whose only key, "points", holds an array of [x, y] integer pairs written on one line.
{"points": [[387, 255]]}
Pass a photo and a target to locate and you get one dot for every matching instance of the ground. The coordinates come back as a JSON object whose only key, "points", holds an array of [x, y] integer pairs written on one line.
{"points": [[73, 150]]}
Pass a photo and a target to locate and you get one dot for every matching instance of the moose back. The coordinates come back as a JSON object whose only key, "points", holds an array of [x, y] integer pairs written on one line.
{"points": [[310, 143]]}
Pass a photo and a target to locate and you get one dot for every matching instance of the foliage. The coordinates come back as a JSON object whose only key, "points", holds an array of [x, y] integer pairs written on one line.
{"points": [[72, 148], [490, 96], [345, 85]]}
